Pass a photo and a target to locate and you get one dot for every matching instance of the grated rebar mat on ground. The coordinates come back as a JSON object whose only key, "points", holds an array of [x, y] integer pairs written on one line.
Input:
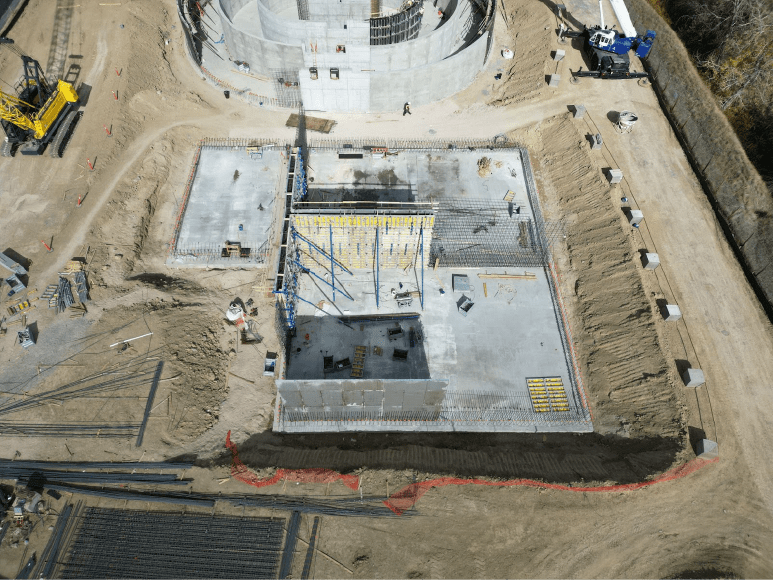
{"points": [[111, 543]]}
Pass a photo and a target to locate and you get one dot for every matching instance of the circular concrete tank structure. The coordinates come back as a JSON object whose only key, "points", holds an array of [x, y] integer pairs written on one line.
{"points": [[335, 55]]}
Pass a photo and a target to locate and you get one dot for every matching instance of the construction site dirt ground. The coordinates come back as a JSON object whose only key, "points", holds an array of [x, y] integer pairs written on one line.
{"points": [[715, 521]]}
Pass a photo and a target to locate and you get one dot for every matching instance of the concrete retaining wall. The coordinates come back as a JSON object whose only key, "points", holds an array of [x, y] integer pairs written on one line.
{"points": [[741, 200], [432, 82]]}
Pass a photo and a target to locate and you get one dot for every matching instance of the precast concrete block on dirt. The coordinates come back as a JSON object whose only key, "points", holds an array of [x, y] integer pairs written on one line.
{"points": [[707, 449], [614, 175], [559, 55], [579, 112], [650, 261], [634, 216], [553, 80], [671, 312], [693, 378]]}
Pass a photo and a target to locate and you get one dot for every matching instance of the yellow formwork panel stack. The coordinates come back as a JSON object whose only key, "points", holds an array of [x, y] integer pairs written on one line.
{"points": [[547, 394]]}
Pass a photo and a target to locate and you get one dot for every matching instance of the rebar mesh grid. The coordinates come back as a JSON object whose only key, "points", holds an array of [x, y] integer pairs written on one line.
{"points": [[404, 25], [490, 234], [112, 543]]}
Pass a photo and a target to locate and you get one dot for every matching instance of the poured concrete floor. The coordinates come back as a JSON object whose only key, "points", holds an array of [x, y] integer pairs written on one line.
{"points": [[507, 336], [221, 201], [418, 176]]}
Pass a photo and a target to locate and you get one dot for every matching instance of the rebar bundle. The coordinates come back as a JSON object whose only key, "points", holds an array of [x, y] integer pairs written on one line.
{"points": [[86, 465], [81, 287], [289, 549], [23, 428], [112, 543], [50, 555], [64, 295], [41, 478]]}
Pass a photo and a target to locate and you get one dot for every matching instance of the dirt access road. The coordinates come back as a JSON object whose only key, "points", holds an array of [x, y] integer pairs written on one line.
{"points": [[717, 520]]}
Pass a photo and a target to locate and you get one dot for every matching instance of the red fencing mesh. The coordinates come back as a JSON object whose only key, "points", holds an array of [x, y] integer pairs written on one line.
{"points": [[407, 497], [242, 473]]}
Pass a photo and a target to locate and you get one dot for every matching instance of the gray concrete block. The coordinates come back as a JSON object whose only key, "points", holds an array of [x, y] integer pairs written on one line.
{"points": [[553, 80], [635, 216], [559, 55], [614, 175], [596, 141], [671, 312], [650, 261], [707, 449], [579, 112], [693, 378]]}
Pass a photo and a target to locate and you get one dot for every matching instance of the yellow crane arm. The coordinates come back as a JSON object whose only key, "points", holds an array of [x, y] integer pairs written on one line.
{"points": [[9, 111]]}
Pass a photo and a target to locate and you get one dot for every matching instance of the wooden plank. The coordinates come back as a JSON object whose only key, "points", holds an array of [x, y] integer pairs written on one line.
{"points": [[312, 123]]}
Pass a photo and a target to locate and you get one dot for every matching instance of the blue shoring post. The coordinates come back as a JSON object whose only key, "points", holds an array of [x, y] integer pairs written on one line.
{"points": [[321, 279], [377, 252], [332, 263], [421, 233], [321, 251]]}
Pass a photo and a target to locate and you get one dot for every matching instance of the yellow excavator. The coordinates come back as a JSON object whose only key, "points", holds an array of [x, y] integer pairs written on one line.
{"points": [[39, 115]]}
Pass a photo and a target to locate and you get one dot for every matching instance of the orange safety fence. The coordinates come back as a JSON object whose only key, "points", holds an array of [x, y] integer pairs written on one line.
{"points": [[405, 499], [242, 473]]}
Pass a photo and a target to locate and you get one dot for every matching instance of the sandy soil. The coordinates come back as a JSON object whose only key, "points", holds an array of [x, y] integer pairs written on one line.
{"points": [[715, 521]]}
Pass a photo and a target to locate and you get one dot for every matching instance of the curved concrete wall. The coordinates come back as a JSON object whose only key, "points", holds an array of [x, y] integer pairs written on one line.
{"points": [[261, 54], [428, 83], [371, 78]]}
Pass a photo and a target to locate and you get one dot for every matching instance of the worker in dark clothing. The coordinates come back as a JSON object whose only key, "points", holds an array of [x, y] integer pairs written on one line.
{"points": [[406, 109]]}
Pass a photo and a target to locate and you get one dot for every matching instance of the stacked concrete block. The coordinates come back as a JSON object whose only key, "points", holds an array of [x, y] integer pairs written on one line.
{"points": [[553, 80], [650, 261], [671, 312], [693, 378], [707, 449], [596, 141], [614, 175]]}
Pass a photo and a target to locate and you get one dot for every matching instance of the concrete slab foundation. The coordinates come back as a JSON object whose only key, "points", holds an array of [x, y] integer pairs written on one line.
{"points": [[231, 199], [693, 378], [378, 341]]}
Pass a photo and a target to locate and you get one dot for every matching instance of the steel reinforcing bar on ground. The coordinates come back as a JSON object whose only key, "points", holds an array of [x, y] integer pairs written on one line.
{"points": [[112, 543]]}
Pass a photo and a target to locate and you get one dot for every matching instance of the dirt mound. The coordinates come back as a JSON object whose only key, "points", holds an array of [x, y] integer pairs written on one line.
{"points": [[630, 384], [529, 25]]}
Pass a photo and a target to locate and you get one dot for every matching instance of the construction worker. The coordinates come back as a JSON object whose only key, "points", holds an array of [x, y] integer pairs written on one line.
{"points": [[406, 109]]}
